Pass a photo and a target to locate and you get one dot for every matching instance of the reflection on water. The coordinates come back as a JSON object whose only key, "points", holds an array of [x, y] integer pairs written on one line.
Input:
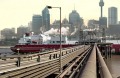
{"points": [[113, 41], [114, 65]]}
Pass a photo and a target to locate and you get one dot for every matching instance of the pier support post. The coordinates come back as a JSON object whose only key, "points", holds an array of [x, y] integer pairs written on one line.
{"points": [[54, 56], [62, 53], [110, 51], [18, 62], [105, 52], [38, 59], [50, 57]]}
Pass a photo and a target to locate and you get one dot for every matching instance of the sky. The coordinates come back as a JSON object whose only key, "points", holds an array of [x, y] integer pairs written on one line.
{"points": [[14, 13]]}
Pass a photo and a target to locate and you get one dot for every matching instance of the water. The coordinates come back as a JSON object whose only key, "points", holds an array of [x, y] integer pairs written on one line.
{"points": [[5, 51], [114, 63]]}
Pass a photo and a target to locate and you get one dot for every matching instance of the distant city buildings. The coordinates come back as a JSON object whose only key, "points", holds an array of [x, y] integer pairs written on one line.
{"points": [[21, 31], [112, 16], [8, 33], [41, 23], [65, 24], [118, 22], [113, 24], [36, 23], [45, 19], [55, 24], [103, 22], [75, 20], [114, 30], [92, 24], [30, 26]]}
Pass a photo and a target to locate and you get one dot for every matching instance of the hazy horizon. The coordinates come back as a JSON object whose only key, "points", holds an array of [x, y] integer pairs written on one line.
{"points": [[15, 13]]}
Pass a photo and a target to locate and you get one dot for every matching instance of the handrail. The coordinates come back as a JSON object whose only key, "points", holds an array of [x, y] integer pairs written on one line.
{"points": [[90, 69], [48, 55], [105, 73], [21, 65], [42, 53], [81, 63]]}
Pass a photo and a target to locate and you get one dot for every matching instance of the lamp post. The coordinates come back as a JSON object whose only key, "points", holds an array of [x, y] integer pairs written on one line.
{"points": [[18, 62], [50, 7], [18, 49]]}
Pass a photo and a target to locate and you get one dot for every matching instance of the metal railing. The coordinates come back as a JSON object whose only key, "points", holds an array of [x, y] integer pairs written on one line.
{"points": [[103, 69], [24, 65], [90, 69]]}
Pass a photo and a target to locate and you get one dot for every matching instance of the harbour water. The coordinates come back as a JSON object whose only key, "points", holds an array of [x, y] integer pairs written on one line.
{"points": [[114, 62], [114, 65], [5, 50]]}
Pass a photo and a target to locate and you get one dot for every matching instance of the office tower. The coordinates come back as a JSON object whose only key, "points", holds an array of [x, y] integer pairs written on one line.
{"points": [[112, 16], [8, 33], [46, 19], [21, 31], [30, 26], [75, 20], [36, 23], [93, 24], [103, 22]]}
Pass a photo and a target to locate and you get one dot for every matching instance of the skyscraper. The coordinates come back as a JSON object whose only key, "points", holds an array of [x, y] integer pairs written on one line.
{"points": [[46, 19], [112, 16], [36, 23], [21, 30], [74, 19], [103, 22], [93, 24]]}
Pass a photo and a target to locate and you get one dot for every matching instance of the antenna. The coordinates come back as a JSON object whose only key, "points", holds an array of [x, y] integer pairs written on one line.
{"points": [[74, 6], [101, 4]]}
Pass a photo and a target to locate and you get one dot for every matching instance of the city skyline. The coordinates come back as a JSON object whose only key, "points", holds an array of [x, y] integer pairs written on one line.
{"points": [[15, 13]]}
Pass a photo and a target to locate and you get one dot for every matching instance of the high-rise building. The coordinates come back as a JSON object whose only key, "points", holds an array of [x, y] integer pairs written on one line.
{"points": [[21, 31], [30, 26], [75, 20], [36, 23], [46, 19], [8, 33], [65, 24], [103, 22], [92, 24], [112, 16]]}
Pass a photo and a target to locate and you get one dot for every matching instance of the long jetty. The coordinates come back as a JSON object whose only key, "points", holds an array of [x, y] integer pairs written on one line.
{"points": [[82, 61]]}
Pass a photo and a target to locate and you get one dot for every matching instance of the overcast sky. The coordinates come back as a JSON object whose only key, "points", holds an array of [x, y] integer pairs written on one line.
{"points": [[14, 13]]}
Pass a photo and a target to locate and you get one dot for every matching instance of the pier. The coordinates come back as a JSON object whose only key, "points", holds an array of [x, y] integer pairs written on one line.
{"points": [[82, 61]]}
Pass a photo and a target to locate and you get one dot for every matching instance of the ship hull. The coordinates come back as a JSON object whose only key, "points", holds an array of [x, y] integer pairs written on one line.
{"points": [[116, 47], [38, 48]]}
